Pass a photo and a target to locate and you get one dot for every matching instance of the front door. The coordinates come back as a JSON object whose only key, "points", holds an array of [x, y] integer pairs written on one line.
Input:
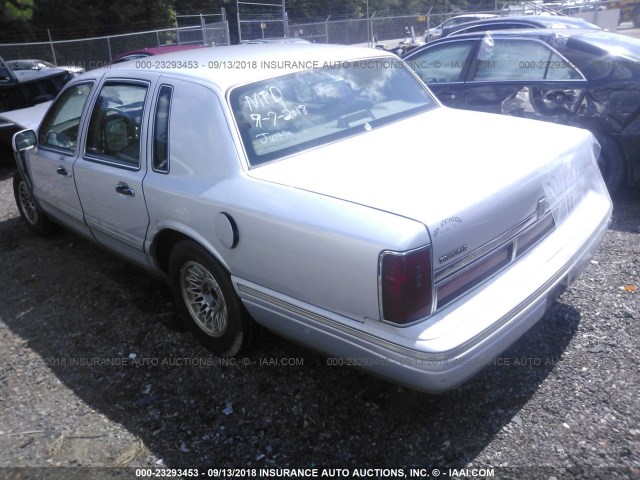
{"points": [[443, 68], [50, 165]]}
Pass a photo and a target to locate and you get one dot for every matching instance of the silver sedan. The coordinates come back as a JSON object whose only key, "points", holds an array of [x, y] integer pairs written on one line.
{"points": [[332, 200]]}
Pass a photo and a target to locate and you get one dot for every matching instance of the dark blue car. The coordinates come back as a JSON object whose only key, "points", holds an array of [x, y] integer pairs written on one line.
{"points": [[583, 78], [513, 22]]}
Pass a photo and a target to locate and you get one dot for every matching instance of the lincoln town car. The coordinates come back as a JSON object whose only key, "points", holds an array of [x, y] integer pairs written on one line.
{"points": [[290, 199]]}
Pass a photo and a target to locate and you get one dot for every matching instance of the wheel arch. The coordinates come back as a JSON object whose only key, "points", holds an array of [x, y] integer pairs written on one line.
{"points": [[168, 237]]}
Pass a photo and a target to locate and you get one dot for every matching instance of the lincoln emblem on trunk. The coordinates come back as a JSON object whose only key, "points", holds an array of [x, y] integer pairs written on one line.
{"points": [[453, 253]]}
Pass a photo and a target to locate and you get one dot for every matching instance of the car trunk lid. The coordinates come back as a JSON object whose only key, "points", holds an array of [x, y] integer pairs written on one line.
{"points": [[476, 181]]}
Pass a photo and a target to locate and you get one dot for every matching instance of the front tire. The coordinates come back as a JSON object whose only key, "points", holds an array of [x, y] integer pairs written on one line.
{"points": [[205, 297], [29, 210]]}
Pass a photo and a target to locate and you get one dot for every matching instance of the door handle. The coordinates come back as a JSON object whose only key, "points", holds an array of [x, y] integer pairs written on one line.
{"points": [[123, 189], [63, 171]]}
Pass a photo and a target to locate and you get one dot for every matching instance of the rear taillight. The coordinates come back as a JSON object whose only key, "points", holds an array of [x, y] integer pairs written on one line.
{"points": [[406, 285]]}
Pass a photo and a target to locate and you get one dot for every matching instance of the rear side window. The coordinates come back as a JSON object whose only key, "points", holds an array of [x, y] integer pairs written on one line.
{"points": [[161, 130], [59, 128], [521, 60], [114, 128]]}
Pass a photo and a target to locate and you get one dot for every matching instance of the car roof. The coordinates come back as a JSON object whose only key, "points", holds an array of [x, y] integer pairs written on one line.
{"points": [[276, 40], [161, 50], [601, 39], [541, 19], [474, 15], [524, 32], [233, 65], [547, 21], [25, 60]]}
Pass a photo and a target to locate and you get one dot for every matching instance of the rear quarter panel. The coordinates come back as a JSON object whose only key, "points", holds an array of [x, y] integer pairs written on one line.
{"points": [[314, 248]]}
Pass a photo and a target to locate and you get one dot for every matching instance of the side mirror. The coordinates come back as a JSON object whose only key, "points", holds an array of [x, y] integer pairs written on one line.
{"points": [[24, 140]]}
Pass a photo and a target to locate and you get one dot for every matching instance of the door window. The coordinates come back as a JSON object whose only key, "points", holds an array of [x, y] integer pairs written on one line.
{"points": [[442, 63], [521, 60], [59, 129], [114, 128], [161, 130]]}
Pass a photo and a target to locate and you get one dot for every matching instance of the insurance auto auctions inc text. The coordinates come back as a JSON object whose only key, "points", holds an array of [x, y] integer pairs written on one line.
{"points": [[370, 473]]}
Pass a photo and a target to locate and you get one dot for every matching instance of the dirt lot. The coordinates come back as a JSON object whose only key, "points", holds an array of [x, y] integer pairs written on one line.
{"points": [[90, 376]]}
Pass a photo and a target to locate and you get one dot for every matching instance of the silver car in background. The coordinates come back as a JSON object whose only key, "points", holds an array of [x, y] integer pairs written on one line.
{"points": [[273, 185]]}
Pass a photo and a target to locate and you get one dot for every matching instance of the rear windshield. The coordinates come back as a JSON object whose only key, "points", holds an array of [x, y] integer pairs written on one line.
{"points": [[614, 43], [284, 115]]}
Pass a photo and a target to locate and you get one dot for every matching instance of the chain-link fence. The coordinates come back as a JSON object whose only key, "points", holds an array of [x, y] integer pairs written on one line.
{"points": [[258, 20], [364, 30], [96, 52], [90, 53]]}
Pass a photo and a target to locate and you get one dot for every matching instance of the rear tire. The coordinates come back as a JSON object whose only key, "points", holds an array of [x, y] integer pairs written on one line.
{"points": [[206, 299], [29, 210], [611, 163]]}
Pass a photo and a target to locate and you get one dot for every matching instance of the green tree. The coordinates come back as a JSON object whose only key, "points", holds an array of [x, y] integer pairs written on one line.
{"points": [[86, 18], [17, 9], [15, 19]]}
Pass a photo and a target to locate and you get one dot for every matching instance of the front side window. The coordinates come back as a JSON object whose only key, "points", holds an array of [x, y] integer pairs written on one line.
{"points": [[59, 128], [114, 128], [287, 114], [521, 60], [442, 63]]}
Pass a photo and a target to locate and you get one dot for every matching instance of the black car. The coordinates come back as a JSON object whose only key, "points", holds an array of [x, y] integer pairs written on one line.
{"points": [[36, 64], [519, 22], [583, 78], [24, 88], [21, 89]]}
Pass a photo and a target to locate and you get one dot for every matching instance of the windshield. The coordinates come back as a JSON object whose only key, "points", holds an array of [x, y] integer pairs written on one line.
{"points": [[284, 115]]}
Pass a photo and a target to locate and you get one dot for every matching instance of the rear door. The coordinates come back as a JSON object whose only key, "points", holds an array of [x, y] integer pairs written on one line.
{"points": [[523, 77], [110, 172]]}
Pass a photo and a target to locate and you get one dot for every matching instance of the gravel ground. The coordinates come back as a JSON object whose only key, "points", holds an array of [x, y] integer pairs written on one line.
{"points": [[91, 376]]}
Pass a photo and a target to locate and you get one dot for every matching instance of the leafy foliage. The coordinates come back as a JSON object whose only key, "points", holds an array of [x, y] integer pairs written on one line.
{"points": [[29, 20], [15, 16]]}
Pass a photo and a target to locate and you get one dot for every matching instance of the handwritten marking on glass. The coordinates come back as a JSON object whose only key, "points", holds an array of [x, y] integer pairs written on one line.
{"points": [[273, 137], [271, 118]]}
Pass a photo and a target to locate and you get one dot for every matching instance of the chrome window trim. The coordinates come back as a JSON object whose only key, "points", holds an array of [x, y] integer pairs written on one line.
{"points": [[93, 158]]}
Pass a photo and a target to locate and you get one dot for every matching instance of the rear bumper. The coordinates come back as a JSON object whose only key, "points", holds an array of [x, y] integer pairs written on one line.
{"points": [[448, 348]]}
